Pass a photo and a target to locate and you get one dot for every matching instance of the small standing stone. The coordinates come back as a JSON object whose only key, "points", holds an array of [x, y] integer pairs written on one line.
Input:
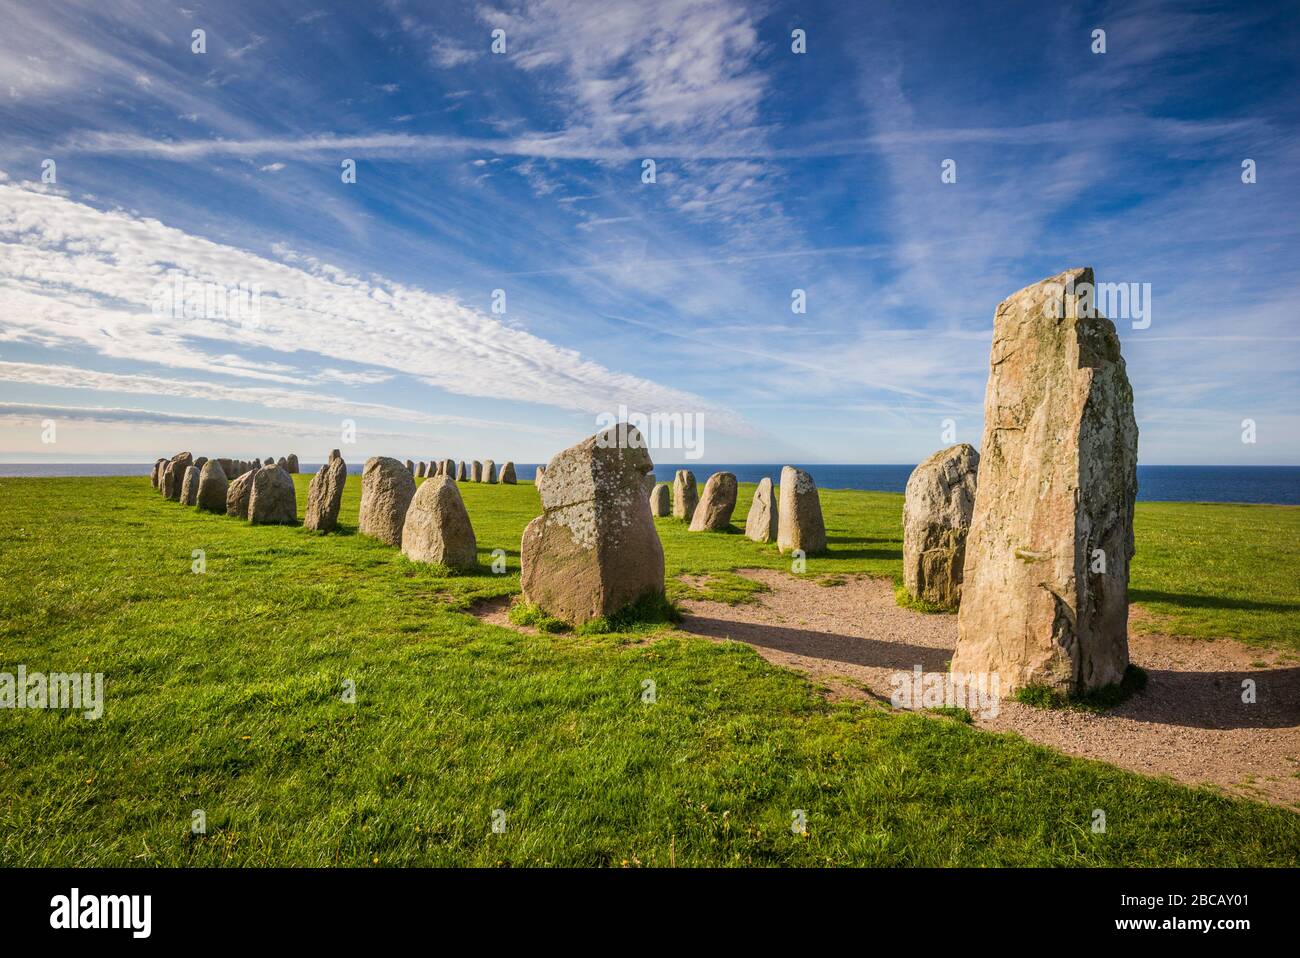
{"points": [[237, 496], [190, 486], [489, 471], [386, 493], [325, 493], [476, 471], [716, 505], [508, 474], [293, 464], [437, 527], [685, 496], [761, 523], [937, 509], [213, 486], [273, 500], [661, 500], [800, 525]]}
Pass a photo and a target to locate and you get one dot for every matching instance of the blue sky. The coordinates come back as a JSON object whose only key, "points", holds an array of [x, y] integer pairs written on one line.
{"points": [[522, 172]]}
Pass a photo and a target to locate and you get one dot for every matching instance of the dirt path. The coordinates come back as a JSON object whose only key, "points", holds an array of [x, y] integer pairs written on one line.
{"points": [[1189, 723]]}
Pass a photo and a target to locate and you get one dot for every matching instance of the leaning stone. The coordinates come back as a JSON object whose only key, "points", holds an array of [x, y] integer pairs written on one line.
{"points": [[508, 474], [714, 511], [594, 550], [489, 471], [237, 496], [437, 527], [213, 486], [936, 518], [190, 486], [799, 523], [273, 500], [762, 522], [386, 492], [325, 493], [685, 497], [1045, 584], [661, 500]]}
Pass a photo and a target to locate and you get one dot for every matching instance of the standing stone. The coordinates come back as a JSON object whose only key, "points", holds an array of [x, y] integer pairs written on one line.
{"points": [[268, 461], [273, 500], [1045, 590], [476, 471], [174, 475], [661, 500], [293, 463], [462, 472], [325, 493], [936, 518], [508, 474], [685, 497], [237, 496], [155, 477], [200, 462], [538, 475], [420, 469], [489, 471], [227, 470], [213, 486], [799, 520], [410, 467], [448, 468], [761, 523], [190, 486], [713, 514], [283, 463], [437, 527], [386, 492], [594, 550]]}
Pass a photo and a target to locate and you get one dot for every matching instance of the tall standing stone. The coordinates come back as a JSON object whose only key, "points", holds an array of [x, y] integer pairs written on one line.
{"points": [[713, 513], [799, 523], [325, 493], [594, 550], [685, 496], [661, 500], [213, 486], [174, 475], [386, 493], [937, 506], [489, 471], [190, 486], [761, 524], [508, 474], [1045, 591], [476, 471], [237, 496], [437, 527], [273, 500]]}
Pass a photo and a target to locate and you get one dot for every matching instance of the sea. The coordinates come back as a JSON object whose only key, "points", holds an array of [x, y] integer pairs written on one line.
{"points": [[1258, 484]]}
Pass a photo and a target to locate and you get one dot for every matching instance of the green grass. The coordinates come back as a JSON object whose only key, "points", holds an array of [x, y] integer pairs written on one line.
{"points": [[224, 693]]}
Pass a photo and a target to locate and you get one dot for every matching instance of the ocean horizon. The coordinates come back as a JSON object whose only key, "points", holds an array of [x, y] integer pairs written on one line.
{"points": [[1256, 485]]}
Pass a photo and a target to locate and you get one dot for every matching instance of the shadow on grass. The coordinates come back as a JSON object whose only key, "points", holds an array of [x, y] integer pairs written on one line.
{"points": [[1210, 601]]}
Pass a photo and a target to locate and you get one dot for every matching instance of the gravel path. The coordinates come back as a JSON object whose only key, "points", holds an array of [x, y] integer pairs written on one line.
{"points": [[1190, 722]]}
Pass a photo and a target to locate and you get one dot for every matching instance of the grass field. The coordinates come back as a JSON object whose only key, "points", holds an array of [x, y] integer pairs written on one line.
{"points": [[224, 693]]}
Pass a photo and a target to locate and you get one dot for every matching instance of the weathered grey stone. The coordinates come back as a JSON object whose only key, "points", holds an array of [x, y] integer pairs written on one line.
{"points": [[200, 462], [448, 468], [799, 522], [476, 471], [508, 474], [421, 468], [1045, 590], [325, 493], [283, 463], [489, 471], [713, 513], [685, 496], [762, 522], [410, 467], [213, 486], [661, 500], [937, 509], [386, 492], [273, 500], [594, 550], [462, 472], [227, 470], [292, 466], [237, 496], [174, 475], [190, 486], [155, 477], [268, 461], [538, 475], [437, 527]]}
